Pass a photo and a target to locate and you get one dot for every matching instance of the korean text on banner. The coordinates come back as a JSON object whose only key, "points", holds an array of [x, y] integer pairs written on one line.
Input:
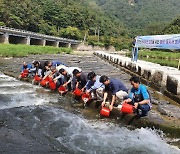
{"points": [[159, 41]]}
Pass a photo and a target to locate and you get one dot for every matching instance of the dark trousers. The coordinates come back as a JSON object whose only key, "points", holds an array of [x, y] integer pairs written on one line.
{"points": [[144, 109], [59, 82]]}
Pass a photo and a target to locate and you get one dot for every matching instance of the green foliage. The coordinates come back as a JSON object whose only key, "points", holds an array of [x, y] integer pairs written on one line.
{"points": [[50, 16], [138, 14], [93, 40], [154, 29], [10, 50], [71, 33], [173, 27], [118, 43], [65, 18], [115, 20], [2, 23]]}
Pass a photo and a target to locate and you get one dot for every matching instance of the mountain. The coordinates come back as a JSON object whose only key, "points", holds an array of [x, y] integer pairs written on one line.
{"points": [[136, 15]]}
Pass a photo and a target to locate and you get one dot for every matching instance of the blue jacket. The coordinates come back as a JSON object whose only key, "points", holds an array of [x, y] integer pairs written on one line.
{"points": [[57, 63], [29, 66]]}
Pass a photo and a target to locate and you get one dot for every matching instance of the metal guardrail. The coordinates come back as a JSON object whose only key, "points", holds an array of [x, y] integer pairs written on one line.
{"points": [[38, 35]]}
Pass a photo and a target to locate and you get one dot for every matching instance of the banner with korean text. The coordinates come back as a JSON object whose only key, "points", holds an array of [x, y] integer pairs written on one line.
{"points": [[159, 41]]}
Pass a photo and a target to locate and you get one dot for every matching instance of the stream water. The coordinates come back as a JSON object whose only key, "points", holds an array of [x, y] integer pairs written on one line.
{"points": [[30, 123]]}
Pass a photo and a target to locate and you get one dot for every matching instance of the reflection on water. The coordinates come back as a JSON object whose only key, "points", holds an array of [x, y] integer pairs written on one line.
{"points": [[32, 125]]}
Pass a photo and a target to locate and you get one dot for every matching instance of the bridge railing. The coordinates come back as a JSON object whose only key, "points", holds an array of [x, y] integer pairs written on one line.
{"points": [[29, 33]]}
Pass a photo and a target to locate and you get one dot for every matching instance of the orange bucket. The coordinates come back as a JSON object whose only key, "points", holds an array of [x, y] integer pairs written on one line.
{"points": [[49, 79], [86, 97], [43, 82], [52, 85], [77, 92], [105, 112], [127, 108], [62, 89], [24, 74], [37, 78]]}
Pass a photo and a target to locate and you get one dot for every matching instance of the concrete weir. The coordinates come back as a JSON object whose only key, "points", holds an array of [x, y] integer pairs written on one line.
{"points": [[165, 79]]}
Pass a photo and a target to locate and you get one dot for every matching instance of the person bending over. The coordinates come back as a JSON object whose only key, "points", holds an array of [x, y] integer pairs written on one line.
{"points": [[68, 76], [79, 79], [113, 89], [94, 86]]}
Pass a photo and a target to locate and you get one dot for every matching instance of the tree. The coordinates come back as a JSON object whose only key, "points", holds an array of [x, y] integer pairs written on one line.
{"points": [[71, 33], [173, 27]]}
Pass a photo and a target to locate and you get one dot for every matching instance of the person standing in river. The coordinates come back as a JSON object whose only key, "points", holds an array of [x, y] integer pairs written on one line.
{"points": [[139, 97], [113, 89]]}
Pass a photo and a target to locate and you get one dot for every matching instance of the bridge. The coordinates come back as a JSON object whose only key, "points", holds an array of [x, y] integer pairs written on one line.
{"points": [[17, 36]]}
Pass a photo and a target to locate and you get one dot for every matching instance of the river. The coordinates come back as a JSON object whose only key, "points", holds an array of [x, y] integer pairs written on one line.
{"points": [[35, 120]]}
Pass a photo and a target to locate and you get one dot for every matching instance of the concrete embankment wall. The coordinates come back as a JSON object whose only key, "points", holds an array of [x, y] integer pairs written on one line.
{"points": [[165, 79]]}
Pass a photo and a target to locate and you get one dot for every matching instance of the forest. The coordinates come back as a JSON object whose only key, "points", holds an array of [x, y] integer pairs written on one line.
{"points": [[103, 22], [142, 17]]}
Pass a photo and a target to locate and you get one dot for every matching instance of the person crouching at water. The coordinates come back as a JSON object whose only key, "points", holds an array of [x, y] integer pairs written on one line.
{"points": [[49, 64], [26, 66], [54, 75], [94, 86], [79, 79], [139, 97], [39, 68], [68, 76], [113, 89], [25, 69]]}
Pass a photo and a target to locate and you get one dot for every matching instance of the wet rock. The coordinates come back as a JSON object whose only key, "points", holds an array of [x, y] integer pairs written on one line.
{"points": [[161, 110], [163, 102], [169, 110], [154, 101], [155, 117]]}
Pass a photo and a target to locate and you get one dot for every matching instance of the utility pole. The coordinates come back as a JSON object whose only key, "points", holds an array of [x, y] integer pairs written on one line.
{"points": [[85, 35], [84, 38], [95, 31], [98, 34]]}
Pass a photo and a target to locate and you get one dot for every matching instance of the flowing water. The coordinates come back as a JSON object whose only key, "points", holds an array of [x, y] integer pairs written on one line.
{"points": [[32, 120]]}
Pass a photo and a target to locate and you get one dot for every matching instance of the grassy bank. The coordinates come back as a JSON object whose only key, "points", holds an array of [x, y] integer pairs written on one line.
{"points": [[12, 50], [165, 58]]}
